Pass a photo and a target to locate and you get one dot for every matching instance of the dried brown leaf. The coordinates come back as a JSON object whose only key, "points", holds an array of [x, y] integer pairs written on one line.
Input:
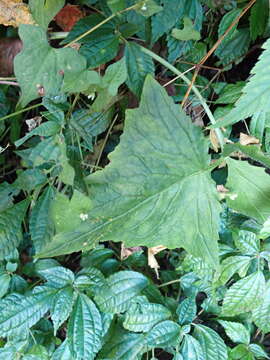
{"points": [[152, 261], [14, 13], [9, 48], [248, 139]]}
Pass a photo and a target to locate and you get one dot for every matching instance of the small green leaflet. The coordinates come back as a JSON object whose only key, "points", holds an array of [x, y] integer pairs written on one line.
{"points": [[187, 33], [191, 349], [45, 75], [162, 195], [254, 96], [245, 295], [84, 329], [236, 332], [232, 265], [43, 11], [61, 307], [186, 311], [166, 333], [261, 314]]}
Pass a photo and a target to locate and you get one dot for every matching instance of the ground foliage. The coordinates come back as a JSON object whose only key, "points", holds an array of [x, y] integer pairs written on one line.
{"points": [[125, 126]]}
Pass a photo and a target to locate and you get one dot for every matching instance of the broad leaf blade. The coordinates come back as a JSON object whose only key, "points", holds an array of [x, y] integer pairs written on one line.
{"points": [[261, 314], [84, 329], [43, 11], [162, 196], [62, 306], [236, 332]]}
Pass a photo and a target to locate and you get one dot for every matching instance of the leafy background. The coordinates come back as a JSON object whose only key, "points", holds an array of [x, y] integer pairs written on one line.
{"points": [[134, 194]]}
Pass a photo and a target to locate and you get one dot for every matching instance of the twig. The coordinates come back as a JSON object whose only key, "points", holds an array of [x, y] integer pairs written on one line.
{"points": [[5, 82]]}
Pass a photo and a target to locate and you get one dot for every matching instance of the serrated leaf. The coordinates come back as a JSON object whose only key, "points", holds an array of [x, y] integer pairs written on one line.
{"points": [[259, 15], [89, 278], [236, 331], [84, 329], [166, 333], [247, 242], [171, 196], [43, 11], [115, 75], [61, 307], [121, 287], [45, 76], [243, 179], [41, 224], [56, 276], [213, 347], [10, 228], [261, 314], [186, 311], [167, 18], [258, 351], [142, 317], [191, 349], [21, 312], [62, 352], [245, 295], [254, 96], [230, 93], [139, 65], [232, 265]]}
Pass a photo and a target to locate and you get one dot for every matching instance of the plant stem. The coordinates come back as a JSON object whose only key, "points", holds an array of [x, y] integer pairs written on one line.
{"points": [[169, 283], [100, 24], [195, 90], [19, 112], [58, 35]]}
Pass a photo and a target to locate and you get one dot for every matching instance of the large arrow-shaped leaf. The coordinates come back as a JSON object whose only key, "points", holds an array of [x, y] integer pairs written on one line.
{"points": [[157, 189]]}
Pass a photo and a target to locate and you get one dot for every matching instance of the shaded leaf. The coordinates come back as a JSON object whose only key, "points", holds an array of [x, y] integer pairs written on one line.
{"points": [[43, 11], [236, 331]]}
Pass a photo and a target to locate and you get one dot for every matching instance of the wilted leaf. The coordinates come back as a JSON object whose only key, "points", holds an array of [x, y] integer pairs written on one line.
{"points": [[68, 16], [14, 13]]}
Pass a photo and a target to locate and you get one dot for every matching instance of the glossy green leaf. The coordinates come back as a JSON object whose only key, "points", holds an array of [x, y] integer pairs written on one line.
{"points": [[253, 98], [171, 196], [41, 224], [261, 314], [62, 352], [120, 288], [232, 265], [258, 351], [44, 11], [19, 312], [245, 295], [84, 329], [10, 228], [213, 347], [56, 276], [186, 311], [4, 283], [230, 93], [191, 349], [142, 317], [247, 242], [236, 331], [243, 179], [61, 307], [45, 75], [166, 333]]}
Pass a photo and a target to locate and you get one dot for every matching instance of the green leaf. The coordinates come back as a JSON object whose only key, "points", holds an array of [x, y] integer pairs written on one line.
{"points": [[191, 349], [252, 151], [61, 307], [230, 93], [45, 75], [121, 287], [4, 283], [167, 18], [259, 15], [30, 179], [148, 8], [171, 196], [44, 11], [243, 179], [41, 224], [166, 333], [69, 214], [139, 65], [236, 42], [81, 81], [186, 311], [232, 265], [261, 314], [10, 228], [19, 312], [62, 352], [258, 351], [142, 317], [84, 329], [245, 295], [213, 347], [56, 276], [115, 75], [247, 242], [254, 96], [187, 33], [236, 331], [116, 5]]}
